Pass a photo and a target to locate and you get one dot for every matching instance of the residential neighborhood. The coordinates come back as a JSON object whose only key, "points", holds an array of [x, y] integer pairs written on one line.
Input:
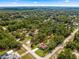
{"points": [[39, 33]]}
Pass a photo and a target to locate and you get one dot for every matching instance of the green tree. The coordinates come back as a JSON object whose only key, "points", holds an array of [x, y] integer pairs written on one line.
{"points": [[66, 54]]}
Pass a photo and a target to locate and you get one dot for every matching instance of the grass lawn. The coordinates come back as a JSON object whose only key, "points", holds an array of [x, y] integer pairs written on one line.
{"points": [[21, 51], [40, 53], [2, 52], [27, 56], [26, 39], [35, 46]]}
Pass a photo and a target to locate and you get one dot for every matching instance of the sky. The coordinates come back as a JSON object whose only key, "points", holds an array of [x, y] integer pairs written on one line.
{"points": [[39, 2]]}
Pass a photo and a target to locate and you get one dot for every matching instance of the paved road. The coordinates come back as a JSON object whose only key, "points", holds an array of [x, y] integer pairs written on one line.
{"points": [[60, 47], [24, 53], [32, 52], [35, 55], [55, 51], [70, 37], [76, 53]]}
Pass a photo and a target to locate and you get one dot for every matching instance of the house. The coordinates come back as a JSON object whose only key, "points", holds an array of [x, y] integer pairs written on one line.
{"points": [[10, 55], [42, 46]]}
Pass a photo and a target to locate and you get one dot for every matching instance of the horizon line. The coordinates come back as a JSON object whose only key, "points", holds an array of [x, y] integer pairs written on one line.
{"points": [[40, 6]]}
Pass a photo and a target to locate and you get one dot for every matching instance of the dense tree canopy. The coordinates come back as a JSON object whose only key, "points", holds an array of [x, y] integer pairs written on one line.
{"points": [[7, 41], [55, 23], [67, 54]]}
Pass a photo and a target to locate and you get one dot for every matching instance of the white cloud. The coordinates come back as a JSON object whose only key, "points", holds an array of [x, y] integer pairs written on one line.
{"points": [[35, 2], [67, 1], [14, 2]]}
